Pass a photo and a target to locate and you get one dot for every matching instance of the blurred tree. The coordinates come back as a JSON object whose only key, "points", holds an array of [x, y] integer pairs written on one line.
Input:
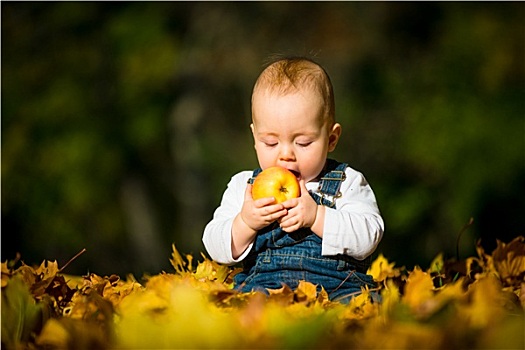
{"points": [[83, 121], [123, 121]]}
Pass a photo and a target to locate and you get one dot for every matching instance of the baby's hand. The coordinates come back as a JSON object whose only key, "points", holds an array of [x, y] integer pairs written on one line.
{"points": [[302, 211], [259, 213]]}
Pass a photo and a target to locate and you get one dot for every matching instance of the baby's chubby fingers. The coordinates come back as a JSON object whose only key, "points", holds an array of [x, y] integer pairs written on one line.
{"points": [[266, 207], [302, 211], [258, 203], [290, 203], [289, 223], [267, 202], [259, 213], [272, 212]]}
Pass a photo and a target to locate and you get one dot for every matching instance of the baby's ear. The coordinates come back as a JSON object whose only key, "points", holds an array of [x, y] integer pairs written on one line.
{"points": [[333, 138], [252, 128]]}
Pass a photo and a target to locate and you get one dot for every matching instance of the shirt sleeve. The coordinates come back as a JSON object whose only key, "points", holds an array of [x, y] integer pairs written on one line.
{"points": [[217, 233], [355, 227]]}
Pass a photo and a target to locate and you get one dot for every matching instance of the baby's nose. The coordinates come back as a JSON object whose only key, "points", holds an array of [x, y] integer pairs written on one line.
{"points": [[286, 153]]}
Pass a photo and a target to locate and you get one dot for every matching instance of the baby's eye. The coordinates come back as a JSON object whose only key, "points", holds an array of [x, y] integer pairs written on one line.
{"points": [[270, 144], [304, 144]]}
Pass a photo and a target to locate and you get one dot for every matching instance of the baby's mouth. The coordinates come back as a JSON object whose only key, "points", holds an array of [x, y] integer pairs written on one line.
{"points": [[296, 173]]}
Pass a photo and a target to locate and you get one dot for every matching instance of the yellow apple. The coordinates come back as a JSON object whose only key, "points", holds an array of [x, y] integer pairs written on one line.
{"points": [[277, 182]]}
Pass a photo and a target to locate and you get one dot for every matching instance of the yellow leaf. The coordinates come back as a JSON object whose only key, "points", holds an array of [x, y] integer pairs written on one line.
{"points": [[282, 296], [5, 275], [186, 320], [452, 291], [177, 262], [472, 264], [53, 335], [487, 301], [204, 270], [162, 283], [306, 292], [361, 307], [211, 271], [66, 333], [509, 261], [119, 290], [381, 269], [47, 270], [322, 298], [485, 260], [419, 288], [390, 297], [402, 335]]}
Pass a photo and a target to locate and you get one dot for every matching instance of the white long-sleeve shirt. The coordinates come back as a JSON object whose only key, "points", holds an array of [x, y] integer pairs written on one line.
{"points": [[354, 228]]}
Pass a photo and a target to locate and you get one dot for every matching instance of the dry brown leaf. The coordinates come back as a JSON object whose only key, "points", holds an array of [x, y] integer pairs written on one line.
{"points": [[509, 261]]}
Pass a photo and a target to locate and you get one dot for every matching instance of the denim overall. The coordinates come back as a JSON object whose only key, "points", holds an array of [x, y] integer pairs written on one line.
{"points": [[278, 257]]}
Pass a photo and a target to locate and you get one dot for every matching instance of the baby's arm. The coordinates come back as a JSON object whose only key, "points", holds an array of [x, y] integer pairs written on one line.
{"points": [[254, 215], [217, 235], [356, 226]]}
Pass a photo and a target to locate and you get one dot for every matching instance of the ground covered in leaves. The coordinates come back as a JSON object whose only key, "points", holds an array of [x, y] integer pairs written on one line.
{"points": [[475, 303]]}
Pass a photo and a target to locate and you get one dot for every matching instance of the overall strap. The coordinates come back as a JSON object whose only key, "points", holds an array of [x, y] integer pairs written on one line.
{"points": [[330, 183], [254, 175]]}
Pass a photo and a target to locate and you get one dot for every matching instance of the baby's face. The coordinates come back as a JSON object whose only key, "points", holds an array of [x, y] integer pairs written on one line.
{"points": [[290, 131]]}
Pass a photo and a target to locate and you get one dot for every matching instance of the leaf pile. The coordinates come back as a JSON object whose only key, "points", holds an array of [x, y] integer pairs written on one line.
{"points": [[476, 303]]}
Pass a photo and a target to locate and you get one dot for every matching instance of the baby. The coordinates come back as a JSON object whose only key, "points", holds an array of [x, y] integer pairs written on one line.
{"points": [[326, 235]]}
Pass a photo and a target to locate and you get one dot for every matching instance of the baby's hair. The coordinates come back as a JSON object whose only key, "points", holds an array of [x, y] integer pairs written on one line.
{"points": [[290, 74]]}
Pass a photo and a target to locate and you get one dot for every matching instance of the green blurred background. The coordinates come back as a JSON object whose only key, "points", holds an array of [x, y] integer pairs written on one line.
{"points": [[122, 122]]}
